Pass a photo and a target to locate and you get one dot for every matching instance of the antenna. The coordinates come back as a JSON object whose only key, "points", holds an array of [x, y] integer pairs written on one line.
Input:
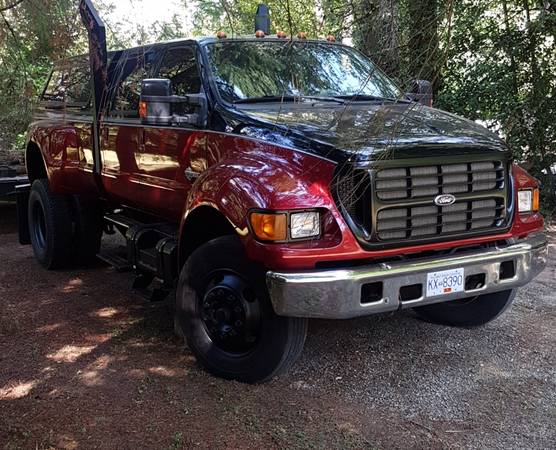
{"points": [[262, 19]]}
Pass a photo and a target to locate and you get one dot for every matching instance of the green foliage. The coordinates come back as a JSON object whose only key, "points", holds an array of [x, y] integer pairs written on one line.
{"points": [[489, 60], [500, 69], [236, 17]]}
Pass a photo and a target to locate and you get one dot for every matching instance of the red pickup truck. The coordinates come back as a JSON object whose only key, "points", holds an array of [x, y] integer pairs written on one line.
{"points": [[271, 179]]}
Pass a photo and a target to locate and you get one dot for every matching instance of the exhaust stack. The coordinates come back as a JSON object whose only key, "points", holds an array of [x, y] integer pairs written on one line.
{"points": [[98, 62], [262, 19]]}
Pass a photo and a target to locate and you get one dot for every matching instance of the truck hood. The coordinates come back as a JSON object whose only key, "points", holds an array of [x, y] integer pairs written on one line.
{"points": [[365, 128]]}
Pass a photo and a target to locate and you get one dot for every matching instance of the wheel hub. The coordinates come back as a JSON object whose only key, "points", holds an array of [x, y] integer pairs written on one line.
{"points": [[230, 313]]}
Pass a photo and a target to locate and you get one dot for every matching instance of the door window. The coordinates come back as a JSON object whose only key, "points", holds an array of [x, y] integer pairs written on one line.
{"points": [[179, 65], [131, 71]]}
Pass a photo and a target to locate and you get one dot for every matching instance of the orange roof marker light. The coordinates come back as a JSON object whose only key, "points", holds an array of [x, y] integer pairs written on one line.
{"points": [[281, 34], [260, 34], [301, 35], [331, 38], [143, 110], [221, 35]]}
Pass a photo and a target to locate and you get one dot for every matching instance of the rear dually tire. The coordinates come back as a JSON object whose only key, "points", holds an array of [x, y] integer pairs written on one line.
{"points": [[50, 226]]}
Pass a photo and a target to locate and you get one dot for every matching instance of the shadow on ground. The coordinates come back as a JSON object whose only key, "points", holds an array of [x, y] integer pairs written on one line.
{"points": [[84, 363]]}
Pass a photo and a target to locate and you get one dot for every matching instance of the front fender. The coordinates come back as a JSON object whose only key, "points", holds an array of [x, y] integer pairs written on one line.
{"points": [[262, 180], [268, 178]]}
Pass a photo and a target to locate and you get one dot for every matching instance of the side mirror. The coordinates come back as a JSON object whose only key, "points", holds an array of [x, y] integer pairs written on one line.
{"points": [[421, 92], [157, 101]]}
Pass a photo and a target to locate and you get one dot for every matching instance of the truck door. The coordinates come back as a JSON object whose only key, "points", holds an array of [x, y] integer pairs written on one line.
{"points": [[172, 156], [121, 132], [145, 166]]}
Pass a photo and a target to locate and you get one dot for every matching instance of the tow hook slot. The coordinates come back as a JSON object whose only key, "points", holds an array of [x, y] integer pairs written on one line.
{"points": [[474, 282]]}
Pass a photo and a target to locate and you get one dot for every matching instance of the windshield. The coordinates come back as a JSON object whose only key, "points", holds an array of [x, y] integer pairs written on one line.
{"points": [[247, 70]]}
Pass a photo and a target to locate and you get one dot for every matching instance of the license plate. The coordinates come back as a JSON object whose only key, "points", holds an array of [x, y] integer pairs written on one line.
{"points": [[445, 282]]}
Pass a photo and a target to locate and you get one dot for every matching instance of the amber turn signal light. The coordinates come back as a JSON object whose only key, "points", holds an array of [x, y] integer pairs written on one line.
{"points": [[536, 199], [269, 227], [142, 110]]}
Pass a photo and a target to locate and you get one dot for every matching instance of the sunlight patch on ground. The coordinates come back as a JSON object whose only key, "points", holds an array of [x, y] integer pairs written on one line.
{"points": [[92, 375], [164, 371], [72, 285], [14, 391], [70, 353], [48, 328], [107, 312]]}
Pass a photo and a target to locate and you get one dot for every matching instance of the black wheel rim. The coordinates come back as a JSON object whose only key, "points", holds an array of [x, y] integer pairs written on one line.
{"points": [[230, 312], [39, 225]]}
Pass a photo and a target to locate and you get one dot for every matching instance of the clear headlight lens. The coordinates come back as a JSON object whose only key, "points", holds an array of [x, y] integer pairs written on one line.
{"points": [[528, 200], [525, 201], [304, 224]]}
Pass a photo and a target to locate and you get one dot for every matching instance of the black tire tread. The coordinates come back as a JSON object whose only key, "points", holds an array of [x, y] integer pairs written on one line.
{"points": [[295, 328], [474, 313], [87, 216], [57, 214]]}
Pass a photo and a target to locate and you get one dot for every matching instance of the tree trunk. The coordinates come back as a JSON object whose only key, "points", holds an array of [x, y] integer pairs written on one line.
{"points": [[376, 33], [423, 41]]}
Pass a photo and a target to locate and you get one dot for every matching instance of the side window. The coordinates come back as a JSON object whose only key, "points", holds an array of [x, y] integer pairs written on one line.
{"points": [[70, 85], [78, 88], [56, 88], [132, 71], [179, 65]]}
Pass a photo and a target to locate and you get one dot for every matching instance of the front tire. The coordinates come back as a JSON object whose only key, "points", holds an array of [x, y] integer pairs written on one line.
{"points": [[468, 312], [224, 312]]}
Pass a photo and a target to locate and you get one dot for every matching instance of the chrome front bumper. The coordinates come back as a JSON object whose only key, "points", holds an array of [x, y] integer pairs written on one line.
{"points": [[337, 293]]}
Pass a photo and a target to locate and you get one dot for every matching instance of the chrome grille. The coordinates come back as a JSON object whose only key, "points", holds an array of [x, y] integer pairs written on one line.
{"points": [[423, 181], [426, 221], [404, 208]]}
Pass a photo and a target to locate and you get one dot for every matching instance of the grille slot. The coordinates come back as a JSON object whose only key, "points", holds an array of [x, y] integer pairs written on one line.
{"points": [[427, 221], [424, 181]]}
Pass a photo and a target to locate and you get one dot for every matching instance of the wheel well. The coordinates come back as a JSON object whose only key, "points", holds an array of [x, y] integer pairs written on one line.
{"points": [[34, 162], [203, 224]]}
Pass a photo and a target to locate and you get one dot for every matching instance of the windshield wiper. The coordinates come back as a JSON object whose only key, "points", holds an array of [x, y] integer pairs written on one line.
{"points": [[289, 98], [364, 97]]}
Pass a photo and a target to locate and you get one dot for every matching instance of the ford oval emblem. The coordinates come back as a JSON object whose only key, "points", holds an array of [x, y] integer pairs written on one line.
{"points": [[444, 200]]}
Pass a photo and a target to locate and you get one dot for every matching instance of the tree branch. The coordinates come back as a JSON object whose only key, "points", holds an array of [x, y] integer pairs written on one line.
{"points": [[13, 5]]}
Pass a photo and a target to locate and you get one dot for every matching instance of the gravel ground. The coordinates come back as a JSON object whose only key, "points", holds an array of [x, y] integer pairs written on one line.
{"points": [[86, 364]]}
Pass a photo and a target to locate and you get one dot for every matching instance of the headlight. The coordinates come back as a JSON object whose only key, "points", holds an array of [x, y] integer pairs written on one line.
{"points": [[284, 226], [304, 225], [528, 200]]}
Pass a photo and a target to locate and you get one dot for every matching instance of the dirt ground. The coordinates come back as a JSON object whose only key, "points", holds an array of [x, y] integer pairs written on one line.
{"points": [[84, 363]]}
